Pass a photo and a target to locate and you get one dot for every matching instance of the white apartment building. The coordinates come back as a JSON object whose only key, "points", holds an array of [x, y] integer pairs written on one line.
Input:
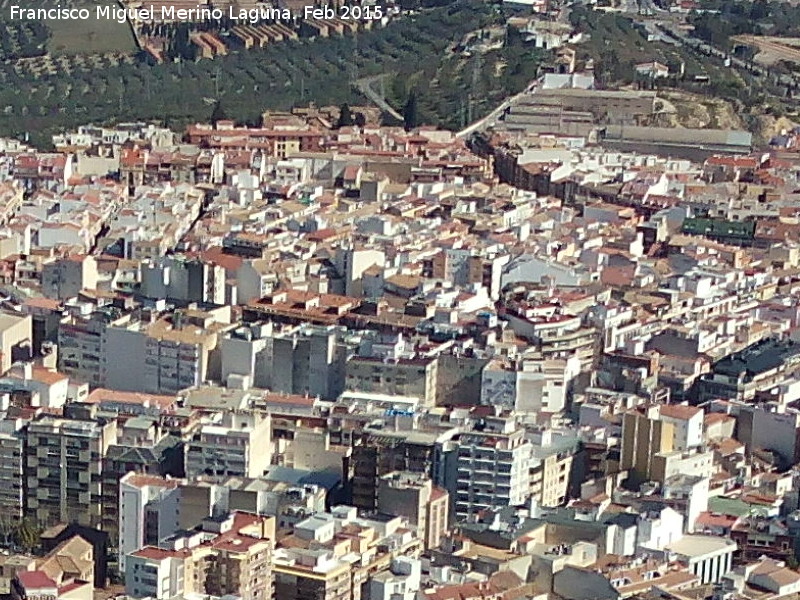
{"points": [[532, 386], [155, 573], [709, 557], [82, 343], [165, 356], [544, 385], [493, 468], [308, 359], [148, 512], [239, 444], [687, 422], [400, 582], [658, 528]]}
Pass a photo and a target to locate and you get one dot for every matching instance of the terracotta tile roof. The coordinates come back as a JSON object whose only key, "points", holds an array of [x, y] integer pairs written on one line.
{"points": [[679, 411], [35, 580], [103, 395]]}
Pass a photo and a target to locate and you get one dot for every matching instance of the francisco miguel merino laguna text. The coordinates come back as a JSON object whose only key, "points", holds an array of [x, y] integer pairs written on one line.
{"points": [[170, 13]]}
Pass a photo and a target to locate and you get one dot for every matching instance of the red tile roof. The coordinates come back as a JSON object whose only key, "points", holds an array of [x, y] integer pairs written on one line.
{"points": [[35, 580]]}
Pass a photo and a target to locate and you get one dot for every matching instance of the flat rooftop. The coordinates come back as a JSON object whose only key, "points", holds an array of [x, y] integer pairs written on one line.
{"points": [[695, 546]]}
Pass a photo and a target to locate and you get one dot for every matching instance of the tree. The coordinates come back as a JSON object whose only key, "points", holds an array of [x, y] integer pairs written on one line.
{"points": [[180, 45], [410, 112], [218, 114], [759, 10], [360, 119], [26, 536], [345, 117]]}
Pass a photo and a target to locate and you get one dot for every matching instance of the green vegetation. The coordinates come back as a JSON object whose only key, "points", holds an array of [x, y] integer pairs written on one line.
{"points": [[89, 37], [180, 46], [411, 112], [465, 84], [617, 44], [22, 40], [345, 117], [68, 37], [218, 114], [414, 52], [719, 20], [26, 536]]}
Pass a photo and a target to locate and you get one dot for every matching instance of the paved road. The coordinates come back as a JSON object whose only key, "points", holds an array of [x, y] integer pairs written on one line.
{"points": [[493, 116], [365, 87]]}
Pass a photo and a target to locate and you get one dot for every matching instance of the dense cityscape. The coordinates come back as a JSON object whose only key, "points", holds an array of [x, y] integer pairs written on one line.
{"points": [[514, 315]]}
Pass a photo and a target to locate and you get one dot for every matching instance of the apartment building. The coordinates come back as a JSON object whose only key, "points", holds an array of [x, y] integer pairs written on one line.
{"points": [[556, 335], [644, 436], [531, 385], [552, 455], [156, 573], [148, 512], [166, 355], [227, 555], [766, 426], [301, 574], [550, 478], [687, 424], [64, 278], [82, 343], [64, 468], [316, 561], [308, 359], [238, 444], [287, 502], [183, 280], [274, 142], [142, 447], [411, 377], [488, 271], [401, 581], [739, 375], [12, 437], [239, 560], [16, 339], [493, 468], [352, 263], [375, 454], [413, 495]]}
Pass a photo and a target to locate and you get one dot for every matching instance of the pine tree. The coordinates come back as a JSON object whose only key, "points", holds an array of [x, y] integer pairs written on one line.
{"points": [[345, 117], [218, 114], [410, 116]]}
